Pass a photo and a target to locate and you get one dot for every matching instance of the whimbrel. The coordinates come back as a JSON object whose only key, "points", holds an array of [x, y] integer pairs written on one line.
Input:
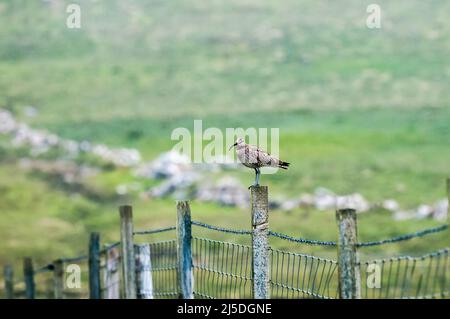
{"points": [[253, 157]]}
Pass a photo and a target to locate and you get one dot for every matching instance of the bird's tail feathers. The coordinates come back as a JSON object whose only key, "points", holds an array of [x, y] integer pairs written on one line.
{"points": [[283, 165]]}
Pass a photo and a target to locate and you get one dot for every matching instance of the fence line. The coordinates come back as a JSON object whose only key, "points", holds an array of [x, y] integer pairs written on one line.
{"points": [[222, 229], [409, 277], [189, 266], [300, 240], [154, 231], [295, 275], [397, 239], [221, 269]]}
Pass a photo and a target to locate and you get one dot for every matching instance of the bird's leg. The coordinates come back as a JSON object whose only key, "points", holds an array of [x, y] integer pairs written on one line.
{"points": [[257, 172]]}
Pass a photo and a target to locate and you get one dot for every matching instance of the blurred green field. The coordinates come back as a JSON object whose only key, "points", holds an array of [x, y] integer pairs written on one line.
{"points": [[359, 110]]}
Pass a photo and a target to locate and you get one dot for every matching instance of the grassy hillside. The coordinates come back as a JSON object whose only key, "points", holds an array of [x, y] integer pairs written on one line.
{"points": [[358, 109]]}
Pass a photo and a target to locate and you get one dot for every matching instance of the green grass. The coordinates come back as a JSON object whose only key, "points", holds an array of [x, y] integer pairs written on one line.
{"points": [[359, 110]]}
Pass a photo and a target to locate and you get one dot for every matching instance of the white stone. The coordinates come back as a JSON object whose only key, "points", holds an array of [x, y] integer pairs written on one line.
{"points": [[403, 215], [391, 205], [440, 210], [424, 211]]}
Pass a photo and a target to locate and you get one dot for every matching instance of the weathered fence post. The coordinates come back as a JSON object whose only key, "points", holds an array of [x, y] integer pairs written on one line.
{"points": [[144, 282], [348, 267], [28, 275], [58, 279], [126, 240], [184, 251], [94, 266], [111, 277], [448, 198], [448, 206], [260, 241], [8, 275]]}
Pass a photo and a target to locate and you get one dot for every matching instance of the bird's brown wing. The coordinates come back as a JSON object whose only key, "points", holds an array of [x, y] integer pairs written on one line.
{"points": [[260, 157]]}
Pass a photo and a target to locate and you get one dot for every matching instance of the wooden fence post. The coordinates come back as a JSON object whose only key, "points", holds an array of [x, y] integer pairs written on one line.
{"points": [[128, 262], [58, 279], [8, 275], [144, 282], [184, 251], [448, 206], [448, 199], [260, 241], [94, 266], [348, 267], [28, 275], [111, 278]]}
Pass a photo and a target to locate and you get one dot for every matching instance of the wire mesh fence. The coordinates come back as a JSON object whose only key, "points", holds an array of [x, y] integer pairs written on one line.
{"points": [[163, 262], [295, 275], [43, 280], [163, 256], [422, 277], [225, 268], [19, 289], [221, 269]]}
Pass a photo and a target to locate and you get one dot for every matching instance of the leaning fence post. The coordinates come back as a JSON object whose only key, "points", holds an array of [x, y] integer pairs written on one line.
{"points": [[94, 266], [28, 275], [184, 251], [348, 267], [128, 262], [111, 275], [260, 241], [8, 275], [144, 282], [58, 279]]}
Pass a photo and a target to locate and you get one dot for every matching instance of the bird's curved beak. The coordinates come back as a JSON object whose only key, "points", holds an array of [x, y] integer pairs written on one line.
{"points": [[232, 146]]}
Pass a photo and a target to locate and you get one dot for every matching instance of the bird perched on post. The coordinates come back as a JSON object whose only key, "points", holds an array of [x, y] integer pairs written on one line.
{"points": [[253, 157]]}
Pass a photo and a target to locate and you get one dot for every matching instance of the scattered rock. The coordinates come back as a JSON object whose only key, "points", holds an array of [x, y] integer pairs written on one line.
{"points": [[391, 205], [7, 122], [123, 189], [165, 166], [424, 211], [70, 171], [324, 199], [41, 141], [227, 191], [355, 201], [176, 183], [403, 215], [306, 200], [124, 157], [289, 205], [441, 210]]}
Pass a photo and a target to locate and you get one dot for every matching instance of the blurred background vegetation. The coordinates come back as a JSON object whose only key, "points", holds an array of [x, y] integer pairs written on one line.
{"points": [[359, 110]]}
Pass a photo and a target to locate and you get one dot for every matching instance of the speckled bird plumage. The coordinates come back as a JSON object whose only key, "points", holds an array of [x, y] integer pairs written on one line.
{"points": [[253, 157]]}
